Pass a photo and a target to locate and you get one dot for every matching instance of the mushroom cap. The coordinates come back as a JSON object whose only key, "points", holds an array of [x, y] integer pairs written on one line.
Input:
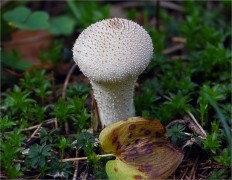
{"points": [[113, 50]]}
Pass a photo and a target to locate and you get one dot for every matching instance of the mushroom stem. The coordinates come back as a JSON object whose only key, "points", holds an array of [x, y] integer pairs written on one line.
{"points": [[115, 100], [112, 53]]}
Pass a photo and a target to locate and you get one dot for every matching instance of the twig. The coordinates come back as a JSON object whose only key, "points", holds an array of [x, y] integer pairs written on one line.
{"points": [[199, 126], [2, 176], [56, 123], [75, 172], [182, 57], [188, 134], [170, 5], [203, 133], [202, 176], [187, 122], [163, 4], [67, 80], [84, 174], [173, 49], [85, 158], [180, 121], [49, 121], [208, 167], [66, 127], [34, 133], [18, 161], [205, 171], [193, 170], [184, 173], [45, 122], [179, 40], [166, 97], [37, 177], [76, 167]]}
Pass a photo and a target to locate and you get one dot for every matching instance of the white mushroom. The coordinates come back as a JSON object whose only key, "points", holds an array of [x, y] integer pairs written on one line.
{"points": [[112, 53]]}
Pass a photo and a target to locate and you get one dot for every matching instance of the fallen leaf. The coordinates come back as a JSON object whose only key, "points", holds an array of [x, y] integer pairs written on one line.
{"points": [[141, 144], [29, 43]]}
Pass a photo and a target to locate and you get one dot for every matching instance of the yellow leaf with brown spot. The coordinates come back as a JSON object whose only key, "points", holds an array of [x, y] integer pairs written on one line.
{"points": [[142, 144], [117, 169]]}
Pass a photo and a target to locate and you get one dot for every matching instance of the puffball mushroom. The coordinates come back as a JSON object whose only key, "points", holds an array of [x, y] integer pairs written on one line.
{"points": [[112, 53]]}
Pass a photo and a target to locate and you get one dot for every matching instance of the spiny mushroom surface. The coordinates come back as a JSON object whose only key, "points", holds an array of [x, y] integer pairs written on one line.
{"points": [[112, 53]]}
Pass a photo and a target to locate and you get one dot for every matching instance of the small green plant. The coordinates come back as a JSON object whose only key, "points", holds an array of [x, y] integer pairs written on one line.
{"points": [[213, 141], [224, 158], [78, 89], [62, 110], [82, 139], [35, 80], [43, 91], [11, 146], [179, 103], [158, 39], [87, 142], [38, 112], [48, 137], [148, 97], [6, 123], [72, 109], [13, 60], [219, 174], [18, 101], [91, 155], [64, 144], [61, 169], [31, 79], [193, 28], [52, 54], [176, 133], [215, 93], [38, 155]]}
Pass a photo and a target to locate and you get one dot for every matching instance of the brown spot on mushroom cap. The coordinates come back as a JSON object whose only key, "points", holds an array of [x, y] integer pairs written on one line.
{"points": [[115, 25]]}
